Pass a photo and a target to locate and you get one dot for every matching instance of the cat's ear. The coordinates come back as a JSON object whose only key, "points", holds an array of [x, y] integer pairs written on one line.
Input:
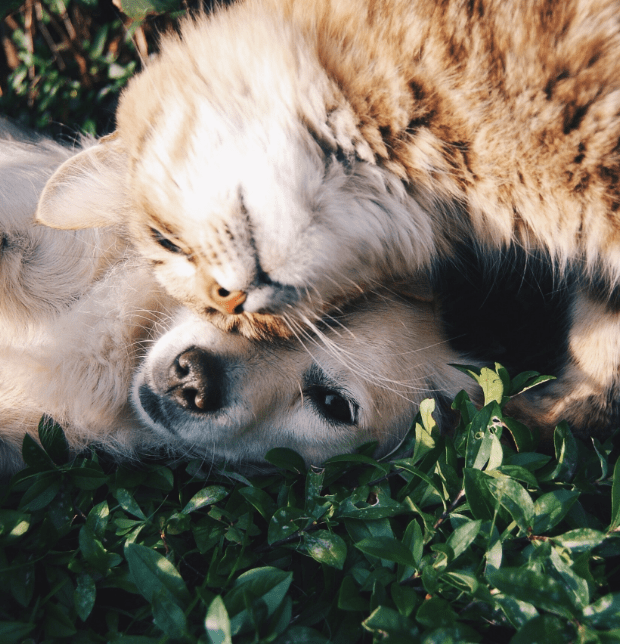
{"points": [[88, 190]]}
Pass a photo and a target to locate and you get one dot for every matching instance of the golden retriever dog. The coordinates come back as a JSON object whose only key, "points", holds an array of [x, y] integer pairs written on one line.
{"points": [[282, 156]]}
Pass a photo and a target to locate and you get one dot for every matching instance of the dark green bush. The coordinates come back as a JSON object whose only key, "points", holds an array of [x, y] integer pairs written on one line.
{"points": [[63, 63], [473, 537]]}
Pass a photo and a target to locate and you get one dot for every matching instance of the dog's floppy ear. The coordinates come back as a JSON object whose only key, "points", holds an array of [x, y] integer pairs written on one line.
{"points": [[88, 190]]}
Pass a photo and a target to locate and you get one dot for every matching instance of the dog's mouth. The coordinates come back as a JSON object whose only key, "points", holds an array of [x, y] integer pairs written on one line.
{"points": [[151, 405]]}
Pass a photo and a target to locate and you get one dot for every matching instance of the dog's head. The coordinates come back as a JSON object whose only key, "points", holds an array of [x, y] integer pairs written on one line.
{"points": [[358, 379]]}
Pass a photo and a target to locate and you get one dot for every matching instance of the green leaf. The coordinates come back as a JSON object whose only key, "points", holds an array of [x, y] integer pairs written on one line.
{"points": [[482, 502], [286, 459], [151, 572], [161, 478], [605, 612], [314, 504], [615, 498], [546, 629], [381, 507], [89, 476], [57, 623], [518, 612], [217, 623], [527, 380], [139, 9], [521, 435], [206, 496], [13, 524], [34, 455], [535, 588], [41, 493], [479, 438], [128, 503], [566, 455], [84, 596], [551, 508], [575, 585], [260, 586], [424, 442], [326, 547], [514, 498], [349, 597], [387, 548], [53, 440], [301, 635], [92, 549], [580, 539], [463, 537], [260, 500], [406, 599], [23, 583], [414, 541], [492, 386], [435, 612], [285, 522], [167, 614], [519, 473], [97, 520], [384, 620], [14, 632], [432, 484]]}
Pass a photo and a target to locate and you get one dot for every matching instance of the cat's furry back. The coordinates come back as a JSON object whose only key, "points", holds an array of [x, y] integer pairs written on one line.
{"points": [[288, 154]]}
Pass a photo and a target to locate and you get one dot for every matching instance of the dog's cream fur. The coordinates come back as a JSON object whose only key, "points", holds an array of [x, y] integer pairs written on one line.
{"points": [[81, 317], [284, 155], [74, 309]]}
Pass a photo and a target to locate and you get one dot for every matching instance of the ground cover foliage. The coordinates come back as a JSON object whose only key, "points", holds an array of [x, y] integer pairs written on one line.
{"points": [[477, 536], [470, 537]]}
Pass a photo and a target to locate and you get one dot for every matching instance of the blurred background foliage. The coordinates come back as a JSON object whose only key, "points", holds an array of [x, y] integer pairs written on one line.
{"points": [[64, 62]]}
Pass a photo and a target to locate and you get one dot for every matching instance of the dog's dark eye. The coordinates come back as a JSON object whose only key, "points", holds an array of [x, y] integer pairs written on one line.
{"points": [[164, 242], [333, 405]]}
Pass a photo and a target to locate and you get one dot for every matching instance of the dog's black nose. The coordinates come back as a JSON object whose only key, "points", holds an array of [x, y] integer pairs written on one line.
{"points": [[195, 381]]}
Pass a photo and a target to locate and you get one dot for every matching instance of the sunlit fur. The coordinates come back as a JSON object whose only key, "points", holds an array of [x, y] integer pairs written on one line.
{"points": [[101, 332], [302, 151], [79, 312], [75, 308]]}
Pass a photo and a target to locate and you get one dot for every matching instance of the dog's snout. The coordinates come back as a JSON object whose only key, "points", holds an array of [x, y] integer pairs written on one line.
{"points": [[194, 381]]}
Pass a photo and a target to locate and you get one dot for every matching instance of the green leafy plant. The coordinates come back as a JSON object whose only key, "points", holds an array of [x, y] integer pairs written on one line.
{"points": [[468, 537], [65, 61]]}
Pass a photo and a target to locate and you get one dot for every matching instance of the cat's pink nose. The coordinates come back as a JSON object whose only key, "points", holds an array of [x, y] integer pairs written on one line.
{"points": [[225, 301]]}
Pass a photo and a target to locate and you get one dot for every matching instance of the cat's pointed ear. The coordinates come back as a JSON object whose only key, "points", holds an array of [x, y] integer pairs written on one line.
{"points": [[88, 190]]}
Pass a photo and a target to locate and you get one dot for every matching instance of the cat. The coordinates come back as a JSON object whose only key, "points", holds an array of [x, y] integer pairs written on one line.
{"points": [[280, 157]]}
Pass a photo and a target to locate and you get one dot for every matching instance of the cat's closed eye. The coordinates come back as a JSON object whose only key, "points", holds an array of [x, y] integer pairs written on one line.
{"points": [[164, 242]]}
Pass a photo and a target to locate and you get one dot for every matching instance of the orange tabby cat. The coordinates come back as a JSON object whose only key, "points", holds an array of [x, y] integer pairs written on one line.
{"points": [[282, 156]]}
